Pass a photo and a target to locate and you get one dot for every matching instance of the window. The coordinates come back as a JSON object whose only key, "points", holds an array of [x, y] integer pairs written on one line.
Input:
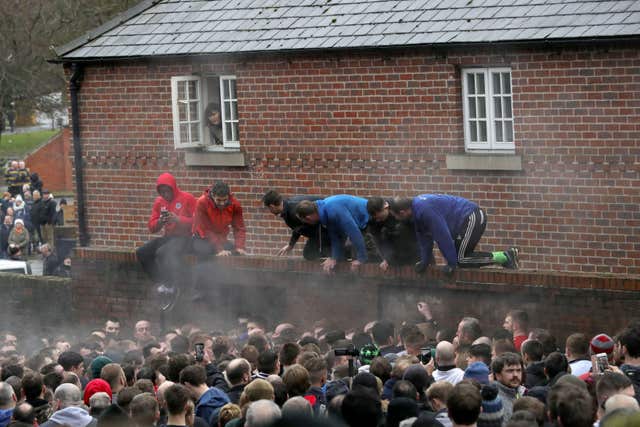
{"points": [[205, 112], [488, 113]]}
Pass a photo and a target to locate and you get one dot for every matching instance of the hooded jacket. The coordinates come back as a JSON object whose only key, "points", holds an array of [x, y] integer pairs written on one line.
{"points": [[183, 204], [345, 216], [209, 404], [71, 416], [213, 223]]}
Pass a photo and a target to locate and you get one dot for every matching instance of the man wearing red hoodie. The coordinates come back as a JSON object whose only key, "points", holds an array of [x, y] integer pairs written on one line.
{"points": [[217, 211], [172, 214]]}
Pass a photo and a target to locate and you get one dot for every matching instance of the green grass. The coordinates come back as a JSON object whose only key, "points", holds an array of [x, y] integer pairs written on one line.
{"points": [[19, 145]]}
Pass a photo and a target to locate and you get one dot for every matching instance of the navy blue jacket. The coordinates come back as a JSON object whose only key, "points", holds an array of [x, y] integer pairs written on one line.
{"points": [[344, 216], [439, 218]]}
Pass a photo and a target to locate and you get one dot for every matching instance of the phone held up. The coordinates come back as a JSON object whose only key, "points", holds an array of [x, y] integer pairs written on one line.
{"points": [[199, 347]]}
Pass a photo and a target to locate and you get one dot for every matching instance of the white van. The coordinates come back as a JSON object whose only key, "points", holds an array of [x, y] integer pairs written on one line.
{"points": [[11, 266]]}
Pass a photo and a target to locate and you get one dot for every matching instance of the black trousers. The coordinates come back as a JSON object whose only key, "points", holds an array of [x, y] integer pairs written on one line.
{"points": [[467, 240], [163, 258], [318, 245]]}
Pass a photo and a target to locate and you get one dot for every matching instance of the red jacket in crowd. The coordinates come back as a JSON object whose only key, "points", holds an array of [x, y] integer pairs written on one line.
{"points": [[183, 204], [212, 223]]}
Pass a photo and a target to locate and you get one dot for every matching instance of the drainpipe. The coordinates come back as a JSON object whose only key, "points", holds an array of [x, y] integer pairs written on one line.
{"points": [[74, 88]]}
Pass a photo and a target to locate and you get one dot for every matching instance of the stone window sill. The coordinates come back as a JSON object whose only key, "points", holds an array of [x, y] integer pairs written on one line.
{"points": [[486, 162], [215, 158]]}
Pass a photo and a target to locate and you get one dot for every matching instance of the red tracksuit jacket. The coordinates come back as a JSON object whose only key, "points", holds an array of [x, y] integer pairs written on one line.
{"points": [[183, 205], [212, 223]]}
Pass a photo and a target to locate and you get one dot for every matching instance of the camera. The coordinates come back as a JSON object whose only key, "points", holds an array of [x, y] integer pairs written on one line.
{"points": [[199, 351], [426, 354], [349, 351]]}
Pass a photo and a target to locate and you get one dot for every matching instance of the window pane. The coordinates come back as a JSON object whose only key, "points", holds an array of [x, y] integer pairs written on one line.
{"points": [[480, 83], [225, 88], [234, 110], [232, 83], [227, 111], [482, 110], [472, 108], [182, 90], [193, 94], [195, 132], [184, 132], [193, 111], [471, 85], [482, 131], [498, 128], [497, 107], [473, 132], [507, 107], [182, 111], [506, 83], [496, 82], [227, 127], [508, 131]]}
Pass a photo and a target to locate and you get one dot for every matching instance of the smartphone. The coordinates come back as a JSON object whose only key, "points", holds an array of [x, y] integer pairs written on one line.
{"points": [[426, 354], [602, 362], [199, 347]]}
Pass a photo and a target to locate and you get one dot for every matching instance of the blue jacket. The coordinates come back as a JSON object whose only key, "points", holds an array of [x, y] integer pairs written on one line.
{"points": [[209, 404], [5, 417], [344, 216], [439, 217]]}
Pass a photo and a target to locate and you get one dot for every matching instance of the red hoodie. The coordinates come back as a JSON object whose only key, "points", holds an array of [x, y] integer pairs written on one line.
{"points": [[212, 223], [183, 204]]}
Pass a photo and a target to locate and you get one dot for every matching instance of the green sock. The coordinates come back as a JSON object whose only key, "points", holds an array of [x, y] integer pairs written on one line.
{"points": [[499, 257]]}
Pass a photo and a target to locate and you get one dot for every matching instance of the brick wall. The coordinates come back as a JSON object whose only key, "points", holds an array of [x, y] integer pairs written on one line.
{"points": [[381, 123], [288, 289], [52, 162]]}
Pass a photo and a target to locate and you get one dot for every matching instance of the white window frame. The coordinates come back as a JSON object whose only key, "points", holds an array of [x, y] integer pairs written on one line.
{"points": [[230, 142], [177, 141], [491, 145]]}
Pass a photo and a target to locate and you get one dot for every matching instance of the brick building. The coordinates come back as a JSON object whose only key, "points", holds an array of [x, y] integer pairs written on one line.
{"points": [[530, 109]]}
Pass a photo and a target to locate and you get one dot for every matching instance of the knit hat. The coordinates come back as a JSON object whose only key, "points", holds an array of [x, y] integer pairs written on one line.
{"points": [[19, 221], [95, 386], [602, 343], [477, 371], [97, 365], [417, 375], [492, 411], [259, 389], [336, 388], [365, 379]]}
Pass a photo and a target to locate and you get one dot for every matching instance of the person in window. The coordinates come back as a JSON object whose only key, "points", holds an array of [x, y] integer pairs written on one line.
{"points": [[456, 225], [214, 123]]}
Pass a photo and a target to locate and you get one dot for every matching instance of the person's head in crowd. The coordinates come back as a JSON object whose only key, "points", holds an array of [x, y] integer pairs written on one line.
{"points": [[462, 354], [66, 395], [144, 410], [98, 402], [112, 328], [257, 389], [179, 344], [531, 352], [492, 414], [220, 346], [147, 373], [365, 380], [12, 370], [445, 354], [259, 341], [516, 322], [238, 372], [610, 384], [413, 342], [381, 368], [72, 362], [177, 362], [32, 386], [16, 384], [507, 369], [401, 365], [228, 412], [142, 331], [361, 340], [97, 364], [480, 352], [71, 378], [194, 378], [404, 388], [336, 388], [602, 343], [630, 345], [279, 392], [464, 404], [333, 336], [468, 330], [317, 368], [400, 409], [145, 385], [417, 375], [114, 416], [177, 400], [268, 363], [125, 397], [569, 405], [477, 371], [577, 347], [438, 394], [555, 364], [262, 413], [307, 212], [501, 346], [284, 333], [522, 419], [361, 408], [113, 374], [532, 405], [297, 381], [23, 414], [137, 357], [621, 402], [250, 354], [384, 334], [7, 396], [52, 380], [296, 408]]}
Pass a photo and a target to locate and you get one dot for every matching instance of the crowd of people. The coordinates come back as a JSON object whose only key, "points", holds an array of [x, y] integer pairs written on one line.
{"points": [[369, 376], [28, 215], [340, 228]]}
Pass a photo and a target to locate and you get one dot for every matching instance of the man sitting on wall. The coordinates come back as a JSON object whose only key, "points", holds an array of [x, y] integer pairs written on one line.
{"points": [[318, 244], [172, 213]]}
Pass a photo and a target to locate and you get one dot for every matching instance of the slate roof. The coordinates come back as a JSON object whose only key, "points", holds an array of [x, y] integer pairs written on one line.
{"points": [[182, 27]]}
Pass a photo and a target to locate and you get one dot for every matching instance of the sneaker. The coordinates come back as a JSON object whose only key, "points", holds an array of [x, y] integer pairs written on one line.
{"points": [[167, 295], [513, 263]]}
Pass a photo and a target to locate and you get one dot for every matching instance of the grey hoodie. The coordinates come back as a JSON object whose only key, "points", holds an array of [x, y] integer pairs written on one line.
{"points": [[71, 416]]}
